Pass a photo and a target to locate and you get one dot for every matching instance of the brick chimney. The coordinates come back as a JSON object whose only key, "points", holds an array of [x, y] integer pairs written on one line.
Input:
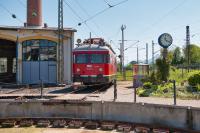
{"points": [[34, 12]]}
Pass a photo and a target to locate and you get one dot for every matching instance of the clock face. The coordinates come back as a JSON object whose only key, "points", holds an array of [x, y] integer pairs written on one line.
{"points": [[165, 40]]}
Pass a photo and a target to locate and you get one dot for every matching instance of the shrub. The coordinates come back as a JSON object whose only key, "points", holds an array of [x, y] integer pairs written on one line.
{"points": [[194, 80], [150, 78], [147, 85], [143, 92]]}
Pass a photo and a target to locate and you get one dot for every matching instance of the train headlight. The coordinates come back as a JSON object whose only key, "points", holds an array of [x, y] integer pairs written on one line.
{"points": [[100, 69], [78, 70]]}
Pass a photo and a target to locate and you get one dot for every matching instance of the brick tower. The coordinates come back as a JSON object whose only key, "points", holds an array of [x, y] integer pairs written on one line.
{"points": [[34, 12]]}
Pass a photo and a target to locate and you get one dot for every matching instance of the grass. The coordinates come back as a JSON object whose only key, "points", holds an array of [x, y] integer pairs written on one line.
{"points": [[129, 76], [181, 75]]}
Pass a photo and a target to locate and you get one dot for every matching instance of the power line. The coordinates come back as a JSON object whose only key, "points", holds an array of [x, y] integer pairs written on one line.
{"points": [[77, 15], [131, 46], [104, 10], [12, 14], [22, 3], [109, 5], [164, 16], [88, 15]]}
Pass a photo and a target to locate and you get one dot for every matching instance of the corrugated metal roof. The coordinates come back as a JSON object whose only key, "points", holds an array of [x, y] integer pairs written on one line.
{"points": [[34, 28]]}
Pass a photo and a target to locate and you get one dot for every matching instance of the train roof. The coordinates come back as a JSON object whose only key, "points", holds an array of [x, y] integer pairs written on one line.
{"points": [[93, 47]]}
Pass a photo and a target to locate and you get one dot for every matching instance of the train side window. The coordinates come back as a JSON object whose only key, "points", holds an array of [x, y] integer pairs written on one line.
{"points": [[81, 58], [107, 58], [97, 58]]}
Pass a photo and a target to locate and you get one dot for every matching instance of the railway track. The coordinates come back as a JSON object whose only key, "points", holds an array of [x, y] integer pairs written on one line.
{"points": [[30, 93], [88, 124], [83, 92]]}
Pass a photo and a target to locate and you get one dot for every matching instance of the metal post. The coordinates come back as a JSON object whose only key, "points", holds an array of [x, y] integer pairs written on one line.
{"points": [[41, 89], [153, 55], [115, 90], [135, 89], [188, 46], [137, 55], [90, 38], [174, 86], [147, 53], [123, 27], [121, 58], [60, 42]]}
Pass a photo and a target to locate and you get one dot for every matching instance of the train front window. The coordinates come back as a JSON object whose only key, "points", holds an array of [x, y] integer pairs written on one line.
{"points": [[99, 58], [81, 58]]}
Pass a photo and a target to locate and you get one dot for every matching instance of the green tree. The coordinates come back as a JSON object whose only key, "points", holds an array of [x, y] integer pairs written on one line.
{"points": [[163, 67], [177, 58], [130, 65], [169, 55], [194, 54]]}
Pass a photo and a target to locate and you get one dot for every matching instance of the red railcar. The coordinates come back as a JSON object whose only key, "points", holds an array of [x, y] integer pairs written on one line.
{"points": [[94, 62]]}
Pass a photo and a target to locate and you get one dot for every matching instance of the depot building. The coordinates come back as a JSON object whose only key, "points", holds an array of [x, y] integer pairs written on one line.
{"points": [[30, 53]]}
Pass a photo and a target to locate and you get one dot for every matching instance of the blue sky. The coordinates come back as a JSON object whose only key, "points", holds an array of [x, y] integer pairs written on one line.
{"points": [[145, 20]]}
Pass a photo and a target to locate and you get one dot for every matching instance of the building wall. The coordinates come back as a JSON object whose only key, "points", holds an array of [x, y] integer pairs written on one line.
{"points": [[21, 35], [68, 59]]}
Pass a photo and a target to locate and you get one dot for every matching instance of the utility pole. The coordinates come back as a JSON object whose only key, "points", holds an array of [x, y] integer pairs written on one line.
{"points": [[60, 42], [188, 46], [90, 36], [121, 68], [153, 55], [137, 55], [123, 27], [147, 53]]}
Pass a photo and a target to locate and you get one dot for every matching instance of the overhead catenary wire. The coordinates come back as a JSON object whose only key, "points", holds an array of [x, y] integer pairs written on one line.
{"points": [[108, 3], [88, 15], [77, 15], [163, 17], [131, 46], [24, 5], [10, 13], [104, 10]]}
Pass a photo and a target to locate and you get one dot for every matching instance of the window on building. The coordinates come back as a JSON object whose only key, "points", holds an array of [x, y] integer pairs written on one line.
{"points": [[52, 53], [39, 50], [14, 65], [3, 65]]}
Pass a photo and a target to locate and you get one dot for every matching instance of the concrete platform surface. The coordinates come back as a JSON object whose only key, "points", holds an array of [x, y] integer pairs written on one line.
{"points": [[125, 93]]}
